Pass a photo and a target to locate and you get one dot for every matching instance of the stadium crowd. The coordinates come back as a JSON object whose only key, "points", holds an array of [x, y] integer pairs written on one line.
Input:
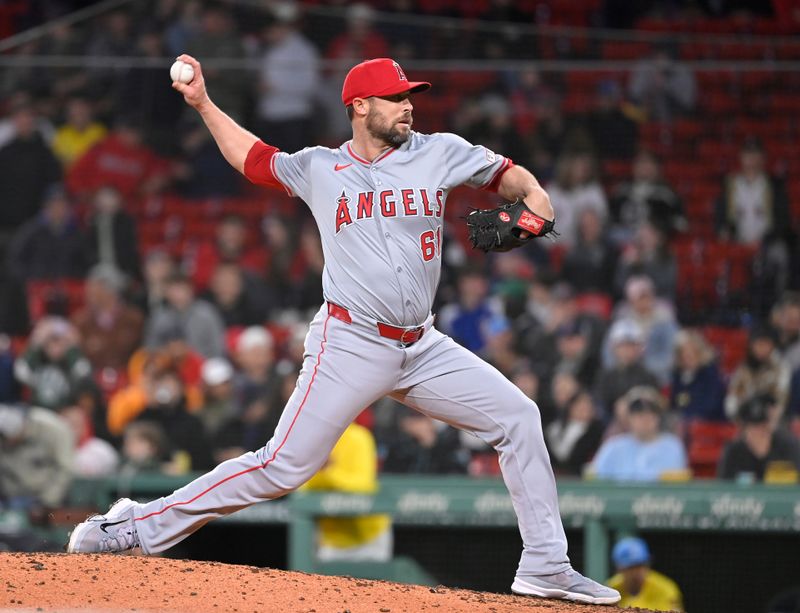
{"points": [[155, 306]]}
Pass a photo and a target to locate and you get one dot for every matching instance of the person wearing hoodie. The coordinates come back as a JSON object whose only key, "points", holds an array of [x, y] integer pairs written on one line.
{"points": [[27, 168], [53, 367], [49, 246], [184, 431], [122, 161], [762, 371], [37, 458]]}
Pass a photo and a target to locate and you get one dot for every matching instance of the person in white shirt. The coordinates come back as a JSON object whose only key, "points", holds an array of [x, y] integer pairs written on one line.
{"points": [[754, 205]]}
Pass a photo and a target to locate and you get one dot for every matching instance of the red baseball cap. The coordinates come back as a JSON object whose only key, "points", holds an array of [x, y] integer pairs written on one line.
{"points": [[379, 77]]}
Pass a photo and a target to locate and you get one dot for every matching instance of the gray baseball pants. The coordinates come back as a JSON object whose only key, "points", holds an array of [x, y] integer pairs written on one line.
{"points": [[347, 367]]}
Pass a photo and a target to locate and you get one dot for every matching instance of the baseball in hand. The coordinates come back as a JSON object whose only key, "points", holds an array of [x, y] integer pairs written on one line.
{"points": [[181, 72]]}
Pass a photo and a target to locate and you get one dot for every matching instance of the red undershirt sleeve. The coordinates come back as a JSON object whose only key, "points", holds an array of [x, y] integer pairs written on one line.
{"points": [[258, 167]]}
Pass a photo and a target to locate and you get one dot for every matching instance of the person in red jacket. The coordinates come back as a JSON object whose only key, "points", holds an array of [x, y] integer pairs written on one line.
{"points": [[122, 161], [230, 246]]}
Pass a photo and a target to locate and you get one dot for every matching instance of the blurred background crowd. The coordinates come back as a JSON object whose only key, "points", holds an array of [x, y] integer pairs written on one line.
{"points": [[155, 305]]}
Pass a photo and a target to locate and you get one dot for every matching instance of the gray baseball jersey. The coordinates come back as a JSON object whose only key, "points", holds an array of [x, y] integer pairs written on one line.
{"points": [[380, 224]]}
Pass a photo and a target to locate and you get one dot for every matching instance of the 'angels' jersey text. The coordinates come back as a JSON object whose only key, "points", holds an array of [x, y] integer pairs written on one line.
{"points": [[391, 203]]}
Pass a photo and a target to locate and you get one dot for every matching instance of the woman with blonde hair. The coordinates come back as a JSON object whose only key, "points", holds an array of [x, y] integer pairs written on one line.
{"points": [[698, 389]]}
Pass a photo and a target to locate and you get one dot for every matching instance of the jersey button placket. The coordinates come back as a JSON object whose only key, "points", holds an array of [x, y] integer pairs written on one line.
{"points": [[387, 235]]}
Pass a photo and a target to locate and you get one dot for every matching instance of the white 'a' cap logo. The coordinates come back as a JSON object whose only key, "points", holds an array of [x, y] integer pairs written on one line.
{"points": [[400, 72]]}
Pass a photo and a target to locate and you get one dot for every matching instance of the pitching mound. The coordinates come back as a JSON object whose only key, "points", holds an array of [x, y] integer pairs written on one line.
{"points": [[66, 583]]}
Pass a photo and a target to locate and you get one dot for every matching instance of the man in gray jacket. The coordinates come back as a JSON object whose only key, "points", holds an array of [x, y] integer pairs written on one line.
{"points": [[198, 321], [37, 456]]}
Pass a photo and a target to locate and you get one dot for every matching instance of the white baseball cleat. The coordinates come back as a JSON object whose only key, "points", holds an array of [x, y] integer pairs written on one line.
{"points": [[112, 532], [569, 585]]}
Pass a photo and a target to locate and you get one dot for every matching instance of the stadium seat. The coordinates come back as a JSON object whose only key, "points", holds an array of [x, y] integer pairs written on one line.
{"points": [[712, 273], [624, 50], [280, 334], [468, 82], [657, 24], [730, 343], [616, 171], [720, 103], [707, 439], [18, 345], [484, 464], [588, 81], [54, 297], [366, 418], [785, 103], [557, 253], [575, 103], [788, 50], [595, 303]]}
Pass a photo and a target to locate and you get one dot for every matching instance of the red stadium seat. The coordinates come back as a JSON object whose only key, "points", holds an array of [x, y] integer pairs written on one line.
{"points": [[280, 334], [595, 303], [468, 82], [707, 439], [730, 343], [720, 103], [785, 103], [231, 337], [366, 418], [616, 171], [588, 81], [711, 272], [623, 50], [656, 24], [788, 49], [484, 464], [54, 297], [18, 345], [576, 103]]}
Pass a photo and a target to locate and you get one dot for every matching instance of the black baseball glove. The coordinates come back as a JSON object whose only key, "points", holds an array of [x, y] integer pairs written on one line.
{"points": [[500, 229]]}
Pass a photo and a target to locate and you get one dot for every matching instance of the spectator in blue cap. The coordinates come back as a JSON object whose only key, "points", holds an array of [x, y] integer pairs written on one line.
{"points": [[640, 585]]}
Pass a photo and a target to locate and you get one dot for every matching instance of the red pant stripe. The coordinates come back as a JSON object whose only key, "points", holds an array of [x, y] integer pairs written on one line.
{"points": [[275, 453]]}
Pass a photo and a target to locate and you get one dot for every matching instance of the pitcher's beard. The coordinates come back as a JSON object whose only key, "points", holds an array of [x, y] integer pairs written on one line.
{"points": [[391, 135]]}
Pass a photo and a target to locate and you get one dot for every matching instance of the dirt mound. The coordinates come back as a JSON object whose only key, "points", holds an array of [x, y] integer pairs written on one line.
{"points": [[66, 583]]}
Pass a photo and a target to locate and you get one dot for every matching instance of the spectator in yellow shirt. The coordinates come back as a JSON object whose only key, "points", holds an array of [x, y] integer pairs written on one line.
{"points": [[352, 468], [640, 585], [78, 134]]}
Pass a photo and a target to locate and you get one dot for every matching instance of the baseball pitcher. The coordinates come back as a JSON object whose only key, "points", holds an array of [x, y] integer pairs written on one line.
{"points": [[379, 202]]}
